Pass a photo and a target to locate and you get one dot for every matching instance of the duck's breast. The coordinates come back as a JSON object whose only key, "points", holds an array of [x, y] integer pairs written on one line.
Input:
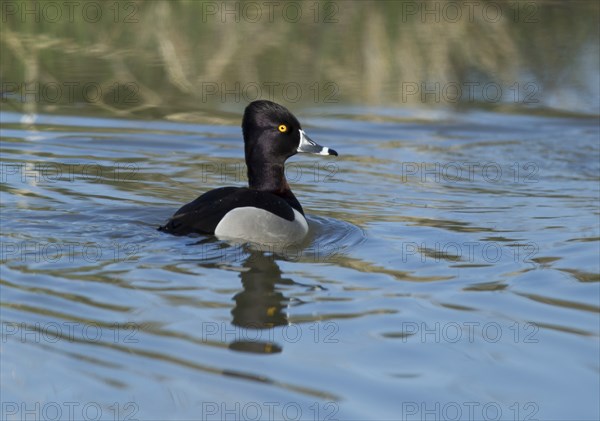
{"points": [[261, 226]]}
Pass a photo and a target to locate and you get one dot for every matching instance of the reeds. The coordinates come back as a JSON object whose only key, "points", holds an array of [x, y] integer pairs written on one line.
{"points": [[177, 57]]}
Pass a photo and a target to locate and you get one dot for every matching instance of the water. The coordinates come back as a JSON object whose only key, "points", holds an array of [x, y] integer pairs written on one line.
{"points": [[451, 270]]}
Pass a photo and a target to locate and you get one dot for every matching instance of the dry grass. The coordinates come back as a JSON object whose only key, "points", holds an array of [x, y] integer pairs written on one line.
{"points": [[370, 54]]}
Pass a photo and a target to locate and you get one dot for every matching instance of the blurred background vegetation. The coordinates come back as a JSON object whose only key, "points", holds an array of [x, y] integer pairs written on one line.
{"points": [[168, 58]]}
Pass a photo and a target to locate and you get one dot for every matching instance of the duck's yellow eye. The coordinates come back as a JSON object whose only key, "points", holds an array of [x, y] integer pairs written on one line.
{"points": [[283, 128]]}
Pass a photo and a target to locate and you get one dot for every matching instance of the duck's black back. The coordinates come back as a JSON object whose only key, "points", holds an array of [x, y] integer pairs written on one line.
{"points": [[204, 214]]}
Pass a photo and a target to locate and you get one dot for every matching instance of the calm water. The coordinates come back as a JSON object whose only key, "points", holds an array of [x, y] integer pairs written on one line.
{"points": [[452, 268], [451, 272]]}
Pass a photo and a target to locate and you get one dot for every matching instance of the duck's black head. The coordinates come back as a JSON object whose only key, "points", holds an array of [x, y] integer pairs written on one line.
{"points": [[271, 135]]}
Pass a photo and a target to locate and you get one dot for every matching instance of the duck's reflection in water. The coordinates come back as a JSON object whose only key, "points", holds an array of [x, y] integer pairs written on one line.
{"points": [[259, 307]]}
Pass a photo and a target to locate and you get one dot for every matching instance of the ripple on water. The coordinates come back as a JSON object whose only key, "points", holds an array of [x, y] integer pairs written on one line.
{"points": [[368, 277], [328, 238]]}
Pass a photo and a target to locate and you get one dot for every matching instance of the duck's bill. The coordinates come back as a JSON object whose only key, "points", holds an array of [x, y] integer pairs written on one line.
{"points": [[307, 145]]}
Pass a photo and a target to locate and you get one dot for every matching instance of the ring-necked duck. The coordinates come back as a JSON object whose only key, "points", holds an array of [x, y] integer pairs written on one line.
{"points": [[267, 211]]}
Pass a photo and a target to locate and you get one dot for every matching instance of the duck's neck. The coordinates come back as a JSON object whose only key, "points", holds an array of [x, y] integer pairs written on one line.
{"points": [[268, 177], [271, 178]]}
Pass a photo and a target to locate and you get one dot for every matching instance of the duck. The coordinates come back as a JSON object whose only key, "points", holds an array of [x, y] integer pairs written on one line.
{"points": [[266, 211]]}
